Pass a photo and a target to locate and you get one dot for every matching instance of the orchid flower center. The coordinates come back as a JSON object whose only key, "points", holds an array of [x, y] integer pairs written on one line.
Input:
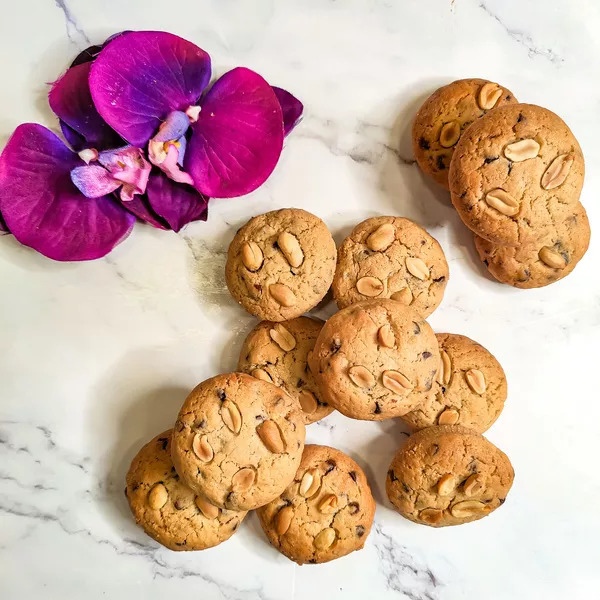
{"points": [[124, 168]]}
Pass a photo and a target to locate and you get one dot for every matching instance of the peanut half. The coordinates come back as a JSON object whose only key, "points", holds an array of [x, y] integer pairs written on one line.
{"points": [[385, 336], [417, 268], [308, 402], [445, 369], [282, 294], [291, 249], [325, 538], [404, 295], [450, 134], [202, 448], [557, 171], [243, 480], [262, 375], [210, 511], [361, 376], [396, 382], [282, 337], [328, 504], [370, 286], [431, 515], [310, 483], [446, 485], [488, 96], [283, 520], [552, 258], [252, 256], [270, 434], [469, 508], [503, 202], [231, 416], [473, 484], [522, 150], [382, 238], [157, 496], [448, 417], [476, 381]]}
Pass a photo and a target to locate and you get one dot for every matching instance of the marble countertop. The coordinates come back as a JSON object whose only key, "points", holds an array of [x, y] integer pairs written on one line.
{"points": [[96, 358]]}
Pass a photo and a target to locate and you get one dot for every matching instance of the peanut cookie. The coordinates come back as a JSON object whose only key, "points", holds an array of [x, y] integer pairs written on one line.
{"points": [[555, 253], [238, 441], [445, 115], [167, 509], [448, 475], [375, 360], [470, 387], [391, 257], [325, 513], [281, 264], [511, 172], [277, 352]]}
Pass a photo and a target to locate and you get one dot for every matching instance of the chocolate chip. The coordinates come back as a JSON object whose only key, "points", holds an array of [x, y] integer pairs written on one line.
{"points": [[300, 383], [405, 488], [426, 354], [235, 526], [312, 561], [507, 97], [502, 501], [164, 442], [228, 497], [521, 118], [486, 262], [377, 410], [260, 417], [443, 389], [275, 244], [417, 328], [125, 490], [510, 166], [472, 466], [360, 530], [490, 159], [354, 507], [392, 475], [440, 279], [258, 287], [176, 477], [423, 143], [463, 194], [439, 161], [200, 424], [181, 543], [134, 487], [222, 395], [331, 465], [335, 346]]}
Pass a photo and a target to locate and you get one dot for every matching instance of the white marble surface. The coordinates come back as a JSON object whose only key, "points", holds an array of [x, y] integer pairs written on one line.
{"points": [[96, 358]]}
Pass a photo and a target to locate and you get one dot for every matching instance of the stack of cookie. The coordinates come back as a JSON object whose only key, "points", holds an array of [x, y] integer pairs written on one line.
{"points": [[515, 173], [238, 442]]}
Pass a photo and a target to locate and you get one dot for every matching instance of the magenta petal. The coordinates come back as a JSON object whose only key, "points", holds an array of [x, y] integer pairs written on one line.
{"points": [[93, 181], [140, 207], [42, 207], [177, 203], [140, 77], [291, 108], [71, 101], [76, 141], [238, 137]]}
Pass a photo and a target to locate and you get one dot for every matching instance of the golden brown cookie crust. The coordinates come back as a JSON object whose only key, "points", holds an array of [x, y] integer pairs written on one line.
{"points": [[281, 264], [277, 352], [505, 200], [553, 255], [448, 475], [238, 441], [167, 509], [470, 387], [325, 513], [451, 108], [375, 360], [391, 257]]}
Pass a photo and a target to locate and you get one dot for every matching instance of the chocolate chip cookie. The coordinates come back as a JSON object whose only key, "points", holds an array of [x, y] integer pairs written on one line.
{"points": [[325, 513], [555, 253], [470, 387], [445, 115], [512, 171], [238, 441], [281, 264], [448, 475], [375, 360], [167, 509], [391, 257], [277, 353]]}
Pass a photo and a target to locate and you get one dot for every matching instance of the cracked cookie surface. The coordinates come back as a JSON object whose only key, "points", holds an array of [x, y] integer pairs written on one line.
{"points": [[553, 255], [375, 360], [169, 511], [470, 387], [445, 115], [238, 441], [391, 257], [325, 513], [448, 475], [277, 352], [512, 172], [281, 264]]}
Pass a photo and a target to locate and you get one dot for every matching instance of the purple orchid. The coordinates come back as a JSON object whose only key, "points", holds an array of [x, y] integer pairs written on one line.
{"points": [[149, 140]]}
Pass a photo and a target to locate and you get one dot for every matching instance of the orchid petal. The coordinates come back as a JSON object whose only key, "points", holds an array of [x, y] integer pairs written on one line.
{"points": [[176, 124], [128, 166], [140, 77], [291, 108], [238, 137], [140, 207], [177, 203], [91, 52], [93, 181], [170, 166], [71, 101], [42, 207], [76, 141]]}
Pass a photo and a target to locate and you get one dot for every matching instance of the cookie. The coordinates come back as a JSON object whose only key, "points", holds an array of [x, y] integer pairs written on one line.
{"points": [[277, 353], [167, 509], [238, 441], [281, 264], [325, 513], [512, 171], [375, 360], [448, 475], [470, 387], [445, 115], [391, 257], [554, 254]]}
